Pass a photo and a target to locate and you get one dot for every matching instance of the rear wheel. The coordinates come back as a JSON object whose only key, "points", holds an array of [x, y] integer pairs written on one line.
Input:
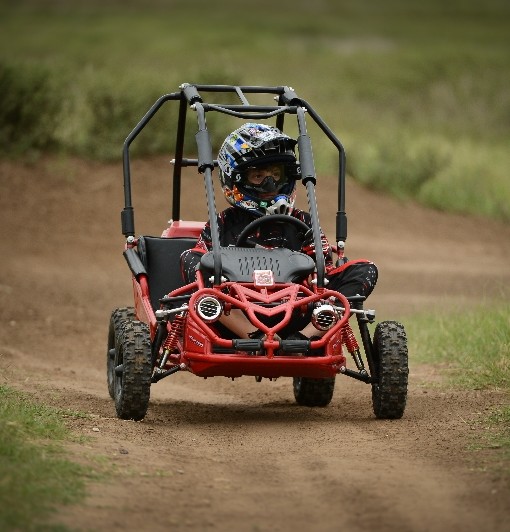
{"points": [[117, 320], [313, 392], [132, 372], [389, 392]]}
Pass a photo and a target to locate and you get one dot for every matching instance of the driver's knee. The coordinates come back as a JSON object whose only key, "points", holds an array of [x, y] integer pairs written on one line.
{"points": [[357, 279], [189, 262]]}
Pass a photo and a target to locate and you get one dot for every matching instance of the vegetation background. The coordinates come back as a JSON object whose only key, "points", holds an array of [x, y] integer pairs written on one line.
{"points": [[417, 92]]}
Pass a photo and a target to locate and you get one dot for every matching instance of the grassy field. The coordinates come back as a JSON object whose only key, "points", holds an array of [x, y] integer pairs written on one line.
{"points": [[417, 92], [472, 350], [473, 345], [35, 474]]}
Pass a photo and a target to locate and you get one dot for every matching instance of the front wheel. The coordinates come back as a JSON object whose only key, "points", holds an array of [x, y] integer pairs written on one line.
{"points": [[117, 320], [313, 392], [389, 391], [133, 370]]}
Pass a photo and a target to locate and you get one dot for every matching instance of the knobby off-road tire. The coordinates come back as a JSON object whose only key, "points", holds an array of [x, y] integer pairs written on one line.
{"points": [[133, 383], [389, 393], [313, 392], [117, 320]]}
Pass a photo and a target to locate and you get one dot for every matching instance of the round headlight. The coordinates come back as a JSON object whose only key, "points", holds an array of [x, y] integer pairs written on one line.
{"points": [[209, 308], [324, 317]]}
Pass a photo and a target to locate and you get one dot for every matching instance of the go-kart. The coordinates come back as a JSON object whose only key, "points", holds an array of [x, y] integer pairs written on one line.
{"points": [[173, 326]]}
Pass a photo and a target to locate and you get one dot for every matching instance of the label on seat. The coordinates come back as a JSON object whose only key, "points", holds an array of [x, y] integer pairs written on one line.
{"points": [[263, 278]]}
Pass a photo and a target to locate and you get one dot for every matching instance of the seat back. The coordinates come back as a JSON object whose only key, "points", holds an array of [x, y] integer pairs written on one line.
{"points": [[161, 258], [238, 264]]}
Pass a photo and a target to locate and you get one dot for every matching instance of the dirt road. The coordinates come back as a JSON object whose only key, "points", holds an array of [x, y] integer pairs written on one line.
{"points": [[220, 455]]}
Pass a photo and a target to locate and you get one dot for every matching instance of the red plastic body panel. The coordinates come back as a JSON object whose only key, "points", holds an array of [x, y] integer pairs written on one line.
{"points": [[239, 365], [143, 307], [182, 228]]}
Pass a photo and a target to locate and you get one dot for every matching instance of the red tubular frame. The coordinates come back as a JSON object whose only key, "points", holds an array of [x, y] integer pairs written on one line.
{"points": [[196, 350], [282, 291]]}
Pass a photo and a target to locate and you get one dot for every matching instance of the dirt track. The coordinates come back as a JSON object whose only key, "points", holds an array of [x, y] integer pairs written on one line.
{"points": [[220, 455]]}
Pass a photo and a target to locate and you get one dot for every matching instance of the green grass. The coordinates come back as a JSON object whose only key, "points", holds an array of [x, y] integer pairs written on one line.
{"points": [[474, 344], [417, 92], [473, 350], [35, 474], [500, 419]]}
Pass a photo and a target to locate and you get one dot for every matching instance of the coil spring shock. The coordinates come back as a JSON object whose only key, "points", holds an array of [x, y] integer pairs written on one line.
{"points": [[349, 339], [170, 343], [352, 345]]}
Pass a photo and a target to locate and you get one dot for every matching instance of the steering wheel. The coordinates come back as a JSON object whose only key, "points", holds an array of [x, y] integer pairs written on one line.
{"points": [[242, 240]]}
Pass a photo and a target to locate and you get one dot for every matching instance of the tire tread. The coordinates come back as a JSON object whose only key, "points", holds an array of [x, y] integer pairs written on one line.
{"points": [[132, 388], [389, 394]]}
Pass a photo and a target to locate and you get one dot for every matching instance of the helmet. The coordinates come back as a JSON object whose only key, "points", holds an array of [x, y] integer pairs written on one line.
{"points": [[242, 155]]}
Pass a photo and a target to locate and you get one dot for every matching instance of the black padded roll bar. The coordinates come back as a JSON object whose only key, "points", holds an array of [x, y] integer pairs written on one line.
{"points": [[206, 166], [127, 215], [289, 102], [309, 179]]}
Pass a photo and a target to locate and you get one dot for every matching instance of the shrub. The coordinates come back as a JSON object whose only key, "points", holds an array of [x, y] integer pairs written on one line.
{"points": [[29, 110], [398, 164]]}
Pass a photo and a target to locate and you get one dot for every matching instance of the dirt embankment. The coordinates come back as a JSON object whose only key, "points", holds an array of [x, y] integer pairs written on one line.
{"points": [[222, 455]]}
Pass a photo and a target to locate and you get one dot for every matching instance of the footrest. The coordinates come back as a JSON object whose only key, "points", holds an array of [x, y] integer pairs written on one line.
{"points": [[247, 344], [295, 346]]}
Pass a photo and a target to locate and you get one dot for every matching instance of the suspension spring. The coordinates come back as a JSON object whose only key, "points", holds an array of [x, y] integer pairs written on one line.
{"points": [[172, 339], [352, 345], [349, 339]]}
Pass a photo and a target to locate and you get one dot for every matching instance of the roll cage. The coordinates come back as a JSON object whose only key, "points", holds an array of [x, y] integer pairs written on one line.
{"points": [[190, 97]]}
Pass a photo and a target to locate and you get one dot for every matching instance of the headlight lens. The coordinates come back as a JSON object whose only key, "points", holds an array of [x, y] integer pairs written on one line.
{"points": [[324, 317], [209, 308]]}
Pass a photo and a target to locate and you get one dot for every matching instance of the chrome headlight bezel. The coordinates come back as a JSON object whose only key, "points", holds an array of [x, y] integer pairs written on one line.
{"points": [[324, 317], [209, 308]]}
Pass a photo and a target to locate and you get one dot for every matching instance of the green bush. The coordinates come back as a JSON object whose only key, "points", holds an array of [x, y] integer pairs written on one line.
{"points": [[30, 103], [473, 182], [99, 114], [398, 163], [457, 176], [107, 117]]}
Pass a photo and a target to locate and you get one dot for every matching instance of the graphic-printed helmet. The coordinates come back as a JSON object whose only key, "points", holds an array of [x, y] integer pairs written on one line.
{"points": [[264, 150]]}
